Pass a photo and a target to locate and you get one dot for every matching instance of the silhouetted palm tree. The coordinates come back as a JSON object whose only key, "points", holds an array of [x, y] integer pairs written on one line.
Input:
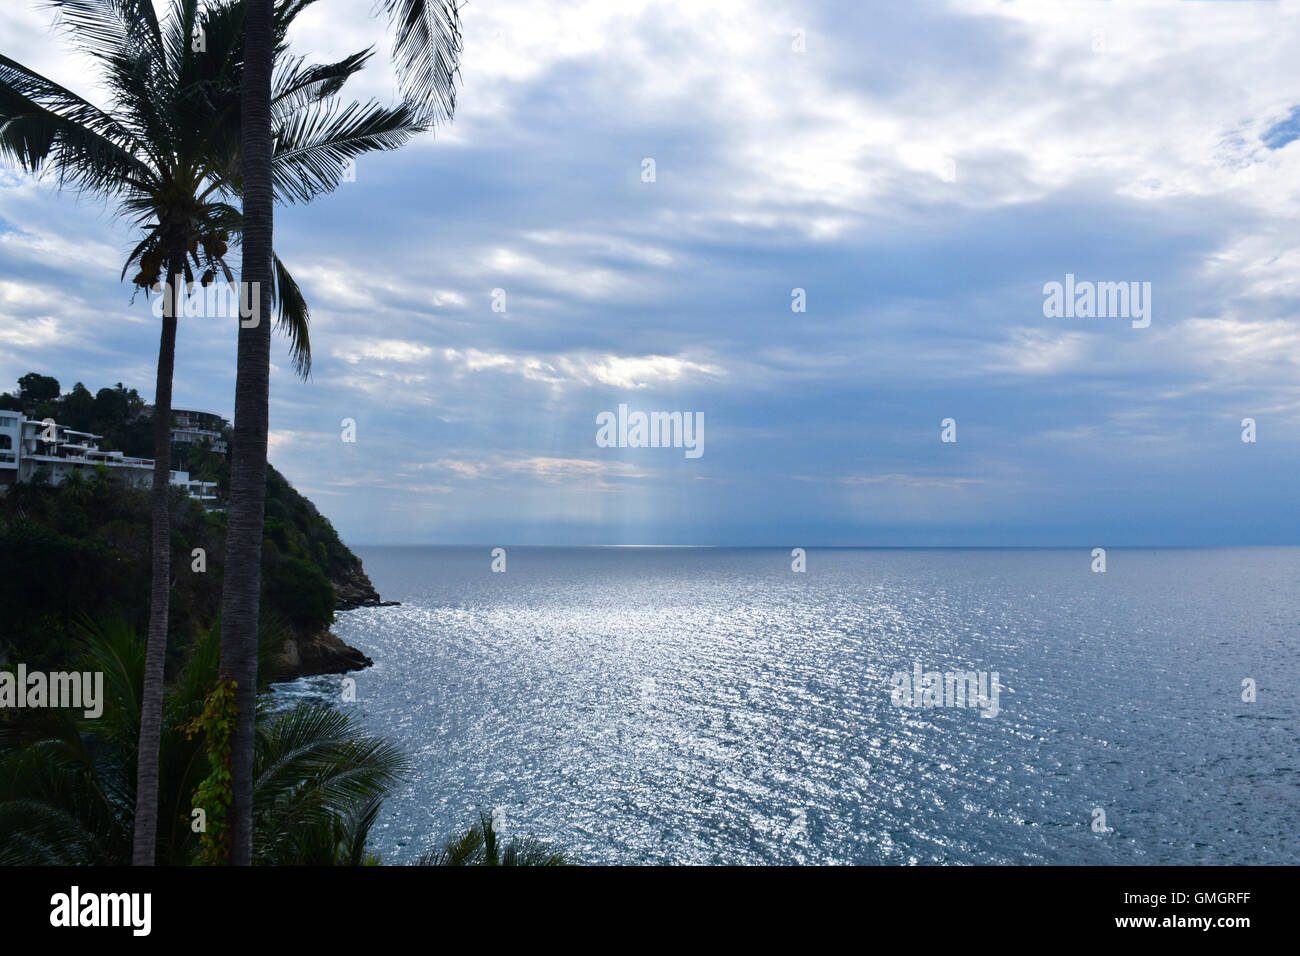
{"points": [[246, 511], [426, 51], [167, 153], [481, 845]]}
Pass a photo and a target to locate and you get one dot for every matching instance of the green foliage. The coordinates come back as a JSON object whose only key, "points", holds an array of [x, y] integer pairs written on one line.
{"points": [[317, 785], [49, 574], [82, 549], [204, 463], [118, 413], [67, 791], [214, 794], [36, 388], [302, 531], [480, 845], [304, 595]]}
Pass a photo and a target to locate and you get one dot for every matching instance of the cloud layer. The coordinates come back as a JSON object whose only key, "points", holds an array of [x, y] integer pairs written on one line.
{"points": [[920, 171]]}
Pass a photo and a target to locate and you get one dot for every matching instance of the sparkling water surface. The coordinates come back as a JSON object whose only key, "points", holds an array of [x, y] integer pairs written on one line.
{"points": [[682, 705]]}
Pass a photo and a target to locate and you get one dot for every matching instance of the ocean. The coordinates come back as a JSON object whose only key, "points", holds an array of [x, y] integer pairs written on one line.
{"points": [[713, 706]]}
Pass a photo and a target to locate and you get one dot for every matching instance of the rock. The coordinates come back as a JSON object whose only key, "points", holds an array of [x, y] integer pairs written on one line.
{"points": [[307, 654], [323, 653], [352, 589], [329, 655]]}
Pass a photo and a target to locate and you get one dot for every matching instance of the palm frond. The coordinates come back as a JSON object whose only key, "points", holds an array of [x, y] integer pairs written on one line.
{"points": [[177, 42], [312, 764], [112, 648], [480, 845], [41, 833], [206, 85], [313, 146], [426, 50], [355, 833], [108, 27], [145, 102], [53, 810], [125, 38], [465, 850], [298, 83], [44, 124], [293, 318]]}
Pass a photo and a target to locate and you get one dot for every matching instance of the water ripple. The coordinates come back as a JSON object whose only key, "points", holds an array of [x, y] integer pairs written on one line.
{"points": [[710, 706]]}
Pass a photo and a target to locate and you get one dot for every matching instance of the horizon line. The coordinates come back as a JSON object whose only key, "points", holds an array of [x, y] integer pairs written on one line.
{"points": [[829, 547]]}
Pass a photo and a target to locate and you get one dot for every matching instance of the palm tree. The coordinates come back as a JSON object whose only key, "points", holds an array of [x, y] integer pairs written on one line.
{"points": [[426, 50], [168, 155], [66, 797], [241, 587], [203, 460], [319, 780], [480, 845]]}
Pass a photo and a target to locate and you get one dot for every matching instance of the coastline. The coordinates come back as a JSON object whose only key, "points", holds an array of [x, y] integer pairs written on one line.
{"points": [[313, 652]]}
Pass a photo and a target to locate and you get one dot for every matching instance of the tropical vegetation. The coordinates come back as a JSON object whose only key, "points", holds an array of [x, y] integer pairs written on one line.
{"points": [[67, 787], [79, 549], [67, 791], [210, 123], [169, 153]]}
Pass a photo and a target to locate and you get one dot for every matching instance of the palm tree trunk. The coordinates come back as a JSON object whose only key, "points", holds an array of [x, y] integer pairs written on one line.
{"points": [[242, 583], [146, 767]]}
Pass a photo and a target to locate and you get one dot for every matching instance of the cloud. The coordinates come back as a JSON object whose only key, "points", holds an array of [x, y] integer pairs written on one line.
{"points": [[913, 481], [386, 350], [574, 472], [920, 171], [1038, 352], [29, 333]]}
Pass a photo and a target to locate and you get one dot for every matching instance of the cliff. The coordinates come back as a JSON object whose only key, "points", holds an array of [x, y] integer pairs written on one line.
{"points": [[302, 553], [352, 589], [80, 550], [321, 651]]}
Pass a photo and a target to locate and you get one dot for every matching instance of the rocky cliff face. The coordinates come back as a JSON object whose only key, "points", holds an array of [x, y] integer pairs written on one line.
{"points": [[305, 655], [322, 652], [353, 589]]}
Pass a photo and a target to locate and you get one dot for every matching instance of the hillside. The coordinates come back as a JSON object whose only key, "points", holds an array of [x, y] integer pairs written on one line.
{"points": [[82, 549]]}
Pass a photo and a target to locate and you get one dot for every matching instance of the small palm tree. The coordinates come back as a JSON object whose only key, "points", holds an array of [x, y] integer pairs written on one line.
{"points": [[480, 845], [203, 460], [75, 485], [168, 153]]}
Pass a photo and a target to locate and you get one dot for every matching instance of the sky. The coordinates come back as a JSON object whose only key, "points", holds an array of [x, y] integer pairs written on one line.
{"points": [[921, 171]]}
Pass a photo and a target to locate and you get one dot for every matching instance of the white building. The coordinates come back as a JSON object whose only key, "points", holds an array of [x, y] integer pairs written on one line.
{"points": [[29, 446], [10, 436], [190, 426]]}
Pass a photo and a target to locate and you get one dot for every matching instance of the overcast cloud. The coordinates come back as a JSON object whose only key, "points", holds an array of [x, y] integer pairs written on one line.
{"points": [[921, 170]]}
